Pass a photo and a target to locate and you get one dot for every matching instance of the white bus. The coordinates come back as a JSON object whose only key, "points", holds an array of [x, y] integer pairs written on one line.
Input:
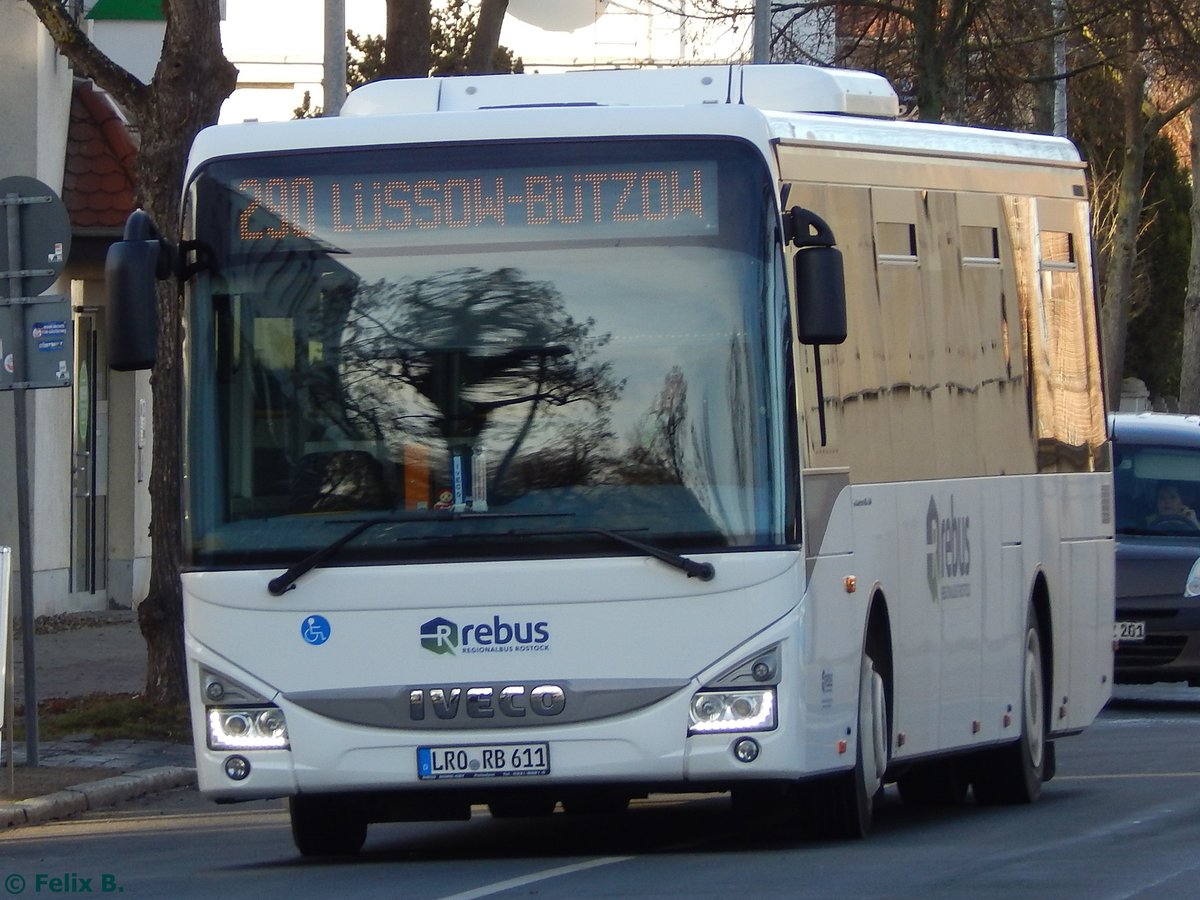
{"points": [[568, 438]]}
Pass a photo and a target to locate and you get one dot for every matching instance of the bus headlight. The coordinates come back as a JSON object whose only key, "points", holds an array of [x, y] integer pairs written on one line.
{"points": [[717, 711], [250, 728]]}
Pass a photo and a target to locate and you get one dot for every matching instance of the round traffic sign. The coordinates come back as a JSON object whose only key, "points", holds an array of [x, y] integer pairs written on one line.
{"points": [[44, 227], [557, 15]]}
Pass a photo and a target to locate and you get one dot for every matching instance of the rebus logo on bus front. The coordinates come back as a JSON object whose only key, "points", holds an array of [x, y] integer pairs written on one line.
{"points": [[442, 636], [439, 635], [948, 562]]}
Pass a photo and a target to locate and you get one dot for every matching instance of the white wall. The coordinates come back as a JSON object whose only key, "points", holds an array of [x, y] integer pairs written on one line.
{"points": [[35, 97], [135, 46]]}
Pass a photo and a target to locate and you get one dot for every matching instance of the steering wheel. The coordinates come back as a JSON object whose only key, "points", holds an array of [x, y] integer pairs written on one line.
{"points": [[1174, 523]]}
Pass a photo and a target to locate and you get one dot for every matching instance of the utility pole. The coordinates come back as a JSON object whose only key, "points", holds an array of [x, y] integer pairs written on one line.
{"points": [[335, 56], [1059, 11], [762, 31]]}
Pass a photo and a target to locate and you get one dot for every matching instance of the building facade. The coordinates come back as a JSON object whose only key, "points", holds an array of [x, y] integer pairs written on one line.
{"points": [[88, 445]]}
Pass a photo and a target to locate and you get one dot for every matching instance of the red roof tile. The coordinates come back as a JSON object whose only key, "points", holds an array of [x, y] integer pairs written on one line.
{"points": [[98, 180]]}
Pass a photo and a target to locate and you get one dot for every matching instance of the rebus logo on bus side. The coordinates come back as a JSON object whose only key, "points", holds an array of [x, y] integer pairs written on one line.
{"points": [[948, 561]]}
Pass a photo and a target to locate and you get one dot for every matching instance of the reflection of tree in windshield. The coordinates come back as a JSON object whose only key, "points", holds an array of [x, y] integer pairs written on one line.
{"points": [[582, 455], [433, 360], [656, 451]]}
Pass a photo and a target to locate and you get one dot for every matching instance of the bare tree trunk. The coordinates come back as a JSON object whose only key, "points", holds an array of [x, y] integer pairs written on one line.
{"points": [[193, 78], [407, 48], [930, 60], [940, 32], [481, 59], [1046, 86], [1189, 372], [1118, 278]]}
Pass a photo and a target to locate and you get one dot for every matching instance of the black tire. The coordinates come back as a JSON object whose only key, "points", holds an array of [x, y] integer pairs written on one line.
{"points": [[940, 782], [520, 805], [326, 826], [1014, 773], [842, 807], [598, 802], [759, 801]]}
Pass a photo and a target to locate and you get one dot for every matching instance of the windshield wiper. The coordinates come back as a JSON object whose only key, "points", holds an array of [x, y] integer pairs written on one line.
{"points": [[285, 582], [281, 584], [693, 569]]}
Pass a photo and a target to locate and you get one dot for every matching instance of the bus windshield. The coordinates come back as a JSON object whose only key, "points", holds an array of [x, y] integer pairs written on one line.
{"points": [[498, 350]]}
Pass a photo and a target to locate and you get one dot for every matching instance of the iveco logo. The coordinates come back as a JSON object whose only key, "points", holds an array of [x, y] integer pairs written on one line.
{"points": [[512, 701]]}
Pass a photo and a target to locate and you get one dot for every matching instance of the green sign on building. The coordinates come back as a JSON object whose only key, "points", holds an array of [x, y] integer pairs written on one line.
{"points": [[127, 10]]}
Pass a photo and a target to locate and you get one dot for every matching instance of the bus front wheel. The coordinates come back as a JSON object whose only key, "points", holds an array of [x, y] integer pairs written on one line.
{"points": [[326, 826], [842, 807]]}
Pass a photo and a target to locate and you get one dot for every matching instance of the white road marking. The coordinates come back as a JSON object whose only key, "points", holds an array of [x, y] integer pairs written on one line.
{"points": [[533, 877]]}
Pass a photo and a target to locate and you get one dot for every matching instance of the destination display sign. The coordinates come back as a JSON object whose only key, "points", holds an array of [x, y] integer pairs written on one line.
{"points": [[518, 204]]}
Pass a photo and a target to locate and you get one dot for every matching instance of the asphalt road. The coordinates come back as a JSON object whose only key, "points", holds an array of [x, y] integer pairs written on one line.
{"points": [[1122, 819]]}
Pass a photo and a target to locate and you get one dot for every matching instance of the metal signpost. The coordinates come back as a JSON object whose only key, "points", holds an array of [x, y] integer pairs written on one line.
{"points": [[36, 351], [6, 658]]}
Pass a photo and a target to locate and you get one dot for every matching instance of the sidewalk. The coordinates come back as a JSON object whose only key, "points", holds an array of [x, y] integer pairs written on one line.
{"points": [[76, 655]]}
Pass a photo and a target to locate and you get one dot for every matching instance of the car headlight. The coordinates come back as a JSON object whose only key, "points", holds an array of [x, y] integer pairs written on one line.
{"points": [[247, 728], [720, 711], [1192, 588]]}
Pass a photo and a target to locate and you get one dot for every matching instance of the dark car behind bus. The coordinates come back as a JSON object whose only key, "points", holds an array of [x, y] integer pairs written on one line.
{"points": [[1156, 472]]}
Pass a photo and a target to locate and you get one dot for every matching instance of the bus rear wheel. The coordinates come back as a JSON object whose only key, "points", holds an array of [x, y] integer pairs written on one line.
{"points": [[326, 826], [1014, 773]]}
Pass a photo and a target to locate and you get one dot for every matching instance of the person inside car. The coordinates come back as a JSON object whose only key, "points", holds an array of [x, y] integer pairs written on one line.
{"points": [[1170, 510]]}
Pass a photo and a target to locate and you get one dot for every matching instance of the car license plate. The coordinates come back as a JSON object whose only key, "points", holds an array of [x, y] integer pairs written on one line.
{"points": [[483, 760], [1129, 631]]}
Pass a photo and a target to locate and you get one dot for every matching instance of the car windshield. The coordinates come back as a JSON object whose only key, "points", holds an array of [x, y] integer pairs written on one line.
{"points": [[548, 341], [1157, 490]]}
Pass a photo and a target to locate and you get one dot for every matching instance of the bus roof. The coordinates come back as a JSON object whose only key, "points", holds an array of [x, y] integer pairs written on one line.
{"points": [[762, 104], [786, 88]]}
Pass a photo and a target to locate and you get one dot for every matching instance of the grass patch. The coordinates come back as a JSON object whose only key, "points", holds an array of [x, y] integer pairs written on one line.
{"points": [[108, 717]]}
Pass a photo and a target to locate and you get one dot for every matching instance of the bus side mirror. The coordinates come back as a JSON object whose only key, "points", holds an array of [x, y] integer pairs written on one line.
{"points": [[819, 277], [131, 270]]}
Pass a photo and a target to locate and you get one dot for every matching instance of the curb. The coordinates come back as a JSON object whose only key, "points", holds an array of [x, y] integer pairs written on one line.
{"points": [[94, 795]]}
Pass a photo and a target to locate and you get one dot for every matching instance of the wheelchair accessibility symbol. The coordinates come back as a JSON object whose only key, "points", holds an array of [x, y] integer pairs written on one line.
{"points": [[315, 630]]}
